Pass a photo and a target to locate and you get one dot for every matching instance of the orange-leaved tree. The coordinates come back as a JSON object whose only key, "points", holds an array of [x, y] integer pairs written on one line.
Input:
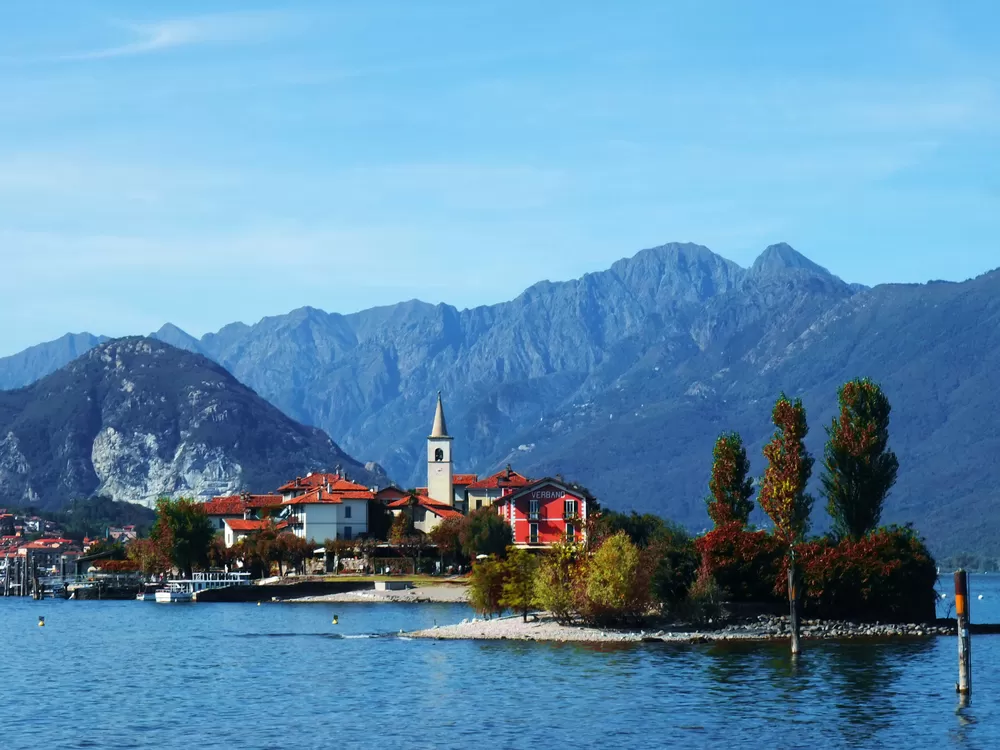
{"points": [[731, 486], [783, 493]]}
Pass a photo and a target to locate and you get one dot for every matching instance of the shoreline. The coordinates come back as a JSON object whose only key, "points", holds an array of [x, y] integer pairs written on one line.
{"points": [[442, 593], [544, 628]]}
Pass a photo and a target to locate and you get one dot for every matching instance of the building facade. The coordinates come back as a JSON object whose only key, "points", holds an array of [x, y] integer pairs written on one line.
{"points": [[546, 512]]}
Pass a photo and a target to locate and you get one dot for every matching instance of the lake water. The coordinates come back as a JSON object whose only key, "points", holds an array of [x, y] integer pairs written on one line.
{"points": [[137, 675]]}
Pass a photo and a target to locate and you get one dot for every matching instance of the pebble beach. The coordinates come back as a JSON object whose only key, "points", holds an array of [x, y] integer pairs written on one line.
{"points": [[543, 627]]}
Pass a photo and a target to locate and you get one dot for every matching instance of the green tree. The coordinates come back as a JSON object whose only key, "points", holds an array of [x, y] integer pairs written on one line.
{"points": [[617, 582], [379, 520], [486, 587], [643, 530], [185, 532], [485, 533], [731, 486], [859, 468], [518, 593], [783, 489], [676, 569], [556, 581]]}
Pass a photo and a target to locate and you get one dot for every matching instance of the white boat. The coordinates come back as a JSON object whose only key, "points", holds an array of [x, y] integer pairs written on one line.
{"points": [[187, 589], [173, 595]]}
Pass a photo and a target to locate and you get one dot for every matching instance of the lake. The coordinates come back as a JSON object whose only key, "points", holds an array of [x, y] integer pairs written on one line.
{"points": [[137, 675]]}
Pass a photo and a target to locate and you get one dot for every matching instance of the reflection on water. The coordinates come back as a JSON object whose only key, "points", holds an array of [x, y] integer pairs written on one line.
{"points": [[186, 673]]}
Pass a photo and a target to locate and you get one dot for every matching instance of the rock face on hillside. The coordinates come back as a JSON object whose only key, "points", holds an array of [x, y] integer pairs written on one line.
{"points": [[622, 379], [135, 419]]}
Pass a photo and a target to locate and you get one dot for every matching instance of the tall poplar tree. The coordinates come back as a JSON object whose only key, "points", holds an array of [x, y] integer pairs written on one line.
{"points": [[859, 468], [731, 486], [783, 493]]}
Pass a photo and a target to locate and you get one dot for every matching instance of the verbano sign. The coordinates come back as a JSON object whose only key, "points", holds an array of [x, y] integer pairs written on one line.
{"points": [[547, 494]]}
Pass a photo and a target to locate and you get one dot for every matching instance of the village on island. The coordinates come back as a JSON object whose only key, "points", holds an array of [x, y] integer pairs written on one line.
{"points": [[541, 549], [327, 510]]}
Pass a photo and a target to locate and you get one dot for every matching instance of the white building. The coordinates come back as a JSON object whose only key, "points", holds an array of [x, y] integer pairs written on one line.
{"points": [[335, 509]]}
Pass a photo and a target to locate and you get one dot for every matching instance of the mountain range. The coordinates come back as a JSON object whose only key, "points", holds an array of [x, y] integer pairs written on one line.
{"points": [[622, 379], [136, 419]]}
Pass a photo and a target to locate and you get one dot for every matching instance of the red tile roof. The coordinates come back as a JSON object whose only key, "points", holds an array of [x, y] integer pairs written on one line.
{"points": [[349, 491], [234, 505], [465, 478], [336, 481], [439, 509], [421, 491], [506, 478]]}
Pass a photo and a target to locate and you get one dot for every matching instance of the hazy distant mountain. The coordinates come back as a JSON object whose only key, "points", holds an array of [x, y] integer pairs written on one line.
{"points": [[38, 361], [623, 378], [135, 419]]}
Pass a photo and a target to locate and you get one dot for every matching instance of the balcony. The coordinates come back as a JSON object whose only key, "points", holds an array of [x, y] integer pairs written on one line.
{"points": [[533, 515], [571, 515]]}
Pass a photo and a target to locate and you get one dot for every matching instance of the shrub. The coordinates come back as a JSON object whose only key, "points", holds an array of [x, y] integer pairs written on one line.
{"points": [[556, 581], [486, 587], [616, 582], [518, 591], [745, 564], [704, 601], [676, 568], [886, 575]]}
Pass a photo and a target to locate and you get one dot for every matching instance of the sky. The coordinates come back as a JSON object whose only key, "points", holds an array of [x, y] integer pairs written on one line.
{"points": [[207, 162]]}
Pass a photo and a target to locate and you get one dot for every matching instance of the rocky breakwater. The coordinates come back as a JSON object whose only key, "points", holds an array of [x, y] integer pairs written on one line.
{"points": [[543, 627], [774, 627]]}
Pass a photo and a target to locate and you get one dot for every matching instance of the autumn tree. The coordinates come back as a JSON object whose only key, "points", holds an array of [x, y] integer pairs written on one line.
{"points": [[185, 533], [859, 468], [731, 486], [518, 592], [149, 555], [617, 581], [446, 536], [783, 493], [485, 533], [556, 580], [486, 587]]}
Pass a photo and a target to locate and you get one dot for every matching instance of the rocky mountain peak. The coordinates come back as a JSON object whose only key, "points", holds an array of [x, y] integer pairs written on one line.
{"points": [[783, 257]]}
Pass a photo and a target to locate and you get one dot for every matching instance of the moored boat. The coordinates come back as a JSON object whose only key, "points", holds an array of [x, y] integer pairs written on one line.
{"points": [[187, 589]]}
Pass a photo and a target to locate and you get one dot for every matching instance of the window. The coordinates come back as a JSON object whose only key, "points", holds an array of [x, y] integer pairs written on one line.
{"points": [[222, 523], [439, 454], [347, 511], [533, 508], [532, 533], [569, 508], [347, 532], [570, 532], [479, 503]]}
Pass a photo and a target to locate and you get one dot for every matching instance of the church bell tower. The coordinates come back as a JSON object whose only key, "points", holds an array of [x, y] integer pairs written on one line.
{"points": [[440, 473]]}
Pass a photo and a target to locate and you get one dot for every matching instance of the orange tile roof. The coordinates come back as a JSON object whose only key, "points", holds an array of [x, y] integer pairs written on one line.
{"points": [[505, 478], [318, 480], [439, 509], [234, 505], [465, 478]]}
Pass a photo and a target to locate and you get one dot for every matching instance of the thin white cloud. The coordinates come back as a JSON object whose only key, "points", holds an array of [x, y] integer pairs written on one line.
{"points": [[218, 28]]}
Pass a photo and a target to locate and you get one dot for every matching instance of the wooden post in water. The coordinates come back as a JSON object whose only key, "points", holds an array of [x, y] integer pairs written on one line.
{"points": [[964, 644], [793, 605]]}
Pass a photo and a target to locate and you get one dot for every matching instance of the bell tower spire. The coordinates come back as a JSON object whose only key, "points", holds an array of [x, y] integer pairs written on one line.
{"points": [[440, 473]]}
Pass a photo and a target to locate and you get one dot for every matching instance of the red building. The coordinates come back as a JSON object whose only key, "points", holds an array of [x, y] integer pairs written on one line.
{"points": [[546, 512]]}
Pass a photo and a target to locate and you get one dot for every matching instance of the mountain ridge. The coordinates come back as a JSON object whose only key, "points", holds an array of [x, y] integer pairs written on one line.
{"points": [[626, 375]]}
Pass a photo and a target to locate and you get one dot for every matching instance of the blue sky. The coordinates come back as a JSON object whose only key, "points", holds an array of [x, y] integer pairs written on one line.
{"points": [[205, 162]]}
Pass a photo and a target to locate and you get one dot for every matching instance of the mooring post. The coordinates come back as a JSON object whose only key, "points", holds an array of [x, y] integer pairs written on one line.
{"points": [[793, 605], [964, 644]]}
